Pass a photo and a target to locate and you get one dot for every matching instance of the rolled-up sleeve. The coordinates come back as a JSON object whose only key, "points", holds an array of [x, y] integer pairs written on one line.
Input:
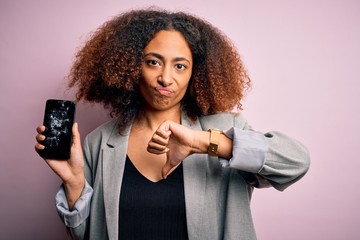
{"points": [[81, 209], [249, 150], [270, 159], [263, 159]]}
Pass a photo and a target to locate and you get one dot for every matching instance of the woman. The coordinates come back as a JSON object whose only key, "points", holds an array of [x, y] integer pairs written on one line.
{"points": [[175, 163]]}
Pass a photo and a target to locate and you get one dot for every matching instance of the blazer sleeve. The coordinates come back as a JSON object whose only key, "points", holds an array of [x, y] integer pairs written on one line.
{"points": [[76, 220], [266, 159]]}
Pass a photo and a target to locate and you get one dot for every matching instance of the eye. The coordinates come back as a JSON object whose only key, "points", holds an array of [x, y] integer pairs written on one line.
{"points": [[152, 62], [180, 66]]}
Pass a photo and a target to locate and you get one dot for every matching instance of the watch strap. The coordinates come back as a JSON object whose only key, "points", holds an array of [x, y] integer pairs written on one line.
{"points": [[214, 142]]}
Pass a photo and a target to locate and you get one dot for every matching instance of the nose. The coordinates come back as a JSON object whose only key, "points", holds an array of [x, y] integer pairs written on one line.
{"points": [[165, 78]]}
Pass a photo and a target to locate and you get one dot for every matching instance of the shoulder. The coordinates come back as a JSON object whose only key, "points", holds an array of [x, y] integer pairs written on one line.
{"points": [[102, 132], [223, 120]]}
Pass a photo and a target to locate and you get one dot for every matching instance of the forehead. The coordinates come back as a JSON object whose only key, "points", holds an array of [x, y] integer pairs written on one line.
{"points": [[167, 42]]}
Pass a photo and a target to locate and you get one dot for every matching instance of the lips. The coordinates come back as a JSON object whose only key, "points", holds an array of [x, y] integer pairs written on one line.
{"points": [[164, 91]]}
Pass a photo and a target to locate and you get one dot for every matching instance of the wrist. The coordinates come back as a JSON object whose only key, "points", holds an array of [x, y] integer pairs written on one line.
{"points": [[219, 145], [201, 142], [73, 190]]}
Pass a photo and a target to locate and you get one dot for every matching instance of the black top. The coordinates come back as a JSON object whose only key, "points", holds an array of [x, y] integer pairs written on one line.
{"points": [[151, 210]]}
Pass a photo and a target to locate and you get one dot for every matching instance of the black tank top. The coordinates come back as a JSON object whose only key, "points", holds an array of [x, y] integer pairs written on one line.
{"points": [[151, 210]]}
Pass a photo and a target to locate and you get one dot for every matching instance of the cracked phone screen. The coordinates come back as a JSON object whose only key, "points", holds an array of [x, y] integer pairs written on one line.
{"points": [[58, 121]]}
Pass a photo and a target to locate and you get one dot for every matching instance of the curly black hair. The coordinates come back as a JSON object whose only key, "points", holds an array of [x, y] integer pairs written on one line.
{"points": [[108, 67]]}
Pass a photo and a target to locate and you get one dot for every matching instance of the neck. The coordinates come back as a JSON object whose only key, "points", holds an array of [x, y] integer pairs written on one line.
{"points": [[152, 119]]}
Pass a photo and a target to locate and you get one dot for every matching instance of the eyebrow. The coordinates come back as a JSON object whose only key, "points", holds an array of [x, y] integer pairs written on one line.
{"points": [[159, 56]]}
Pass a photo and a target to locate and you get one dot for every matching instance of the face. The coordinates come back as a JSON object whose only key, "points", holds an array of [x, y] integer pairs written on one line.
{"points": [[166, 71]]}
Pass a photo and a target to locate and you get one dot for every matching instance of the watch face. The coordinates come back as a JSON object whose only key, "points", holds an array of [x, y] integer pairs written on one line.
{"points": [[212, 150], [214, 142]]}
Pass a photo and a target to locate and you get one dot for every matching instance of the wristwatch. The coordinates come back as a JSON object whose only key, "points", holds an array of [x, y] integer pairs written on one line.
{"points": [[214, 142]]}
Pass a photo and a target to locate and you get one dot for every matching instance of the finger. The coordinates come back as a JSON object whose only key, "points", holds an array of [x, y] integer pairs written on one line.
{"points": [[76, 135], [156, 148], [168, 167], [163, 132], [40, 138], [39, 147], [159, 139], [165, 170], [40, 129]]}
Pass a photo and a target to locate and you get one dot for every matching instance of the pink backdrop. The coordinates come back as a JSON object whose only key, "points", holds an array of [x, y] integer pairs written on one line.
{"points": [[303, 58]]}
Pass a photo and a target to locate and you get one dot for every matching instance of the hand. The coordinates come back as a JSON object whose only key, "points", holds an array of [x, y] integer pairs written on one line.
{"points": [[71, 172], [175, 140]]}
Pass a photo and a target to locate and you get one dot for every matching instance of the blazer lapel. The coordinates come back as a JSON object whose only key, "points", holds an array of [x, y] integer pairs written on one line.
{"points": [[113, 168], [194, 168]]}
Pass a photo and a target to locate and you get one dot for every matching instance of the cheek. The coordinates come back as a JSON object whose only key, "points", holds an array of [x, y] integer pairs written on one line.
{"points": [[142, 85], [184, 87], [146, 75], [145, 79], [186, 81]]}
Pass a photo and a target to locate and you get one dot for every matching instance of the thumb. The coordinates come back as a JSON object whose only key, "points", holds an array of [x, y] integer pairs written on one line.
{"points": [[168, 166], [165, 170], [76, 140]]}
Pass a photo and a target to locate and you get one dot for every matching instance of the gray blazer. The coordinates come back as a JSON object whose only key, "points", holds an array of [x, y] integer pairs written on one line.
{"points": [[217, 196]]}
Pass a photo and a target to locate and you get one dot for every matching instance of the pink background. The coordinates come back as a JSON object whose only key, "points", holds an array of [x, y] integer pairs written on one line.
{"points": [[303, 57]]}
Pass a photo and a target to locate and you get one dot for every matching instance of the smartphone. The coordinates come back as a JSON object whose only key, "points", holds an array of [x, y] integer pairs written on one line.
{"points": [[58, 121]]}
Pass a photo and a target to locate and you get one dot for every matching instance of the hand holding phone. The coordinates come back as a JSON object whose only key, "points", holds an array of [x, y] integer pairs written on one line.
{"points": [[58, 120]]}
